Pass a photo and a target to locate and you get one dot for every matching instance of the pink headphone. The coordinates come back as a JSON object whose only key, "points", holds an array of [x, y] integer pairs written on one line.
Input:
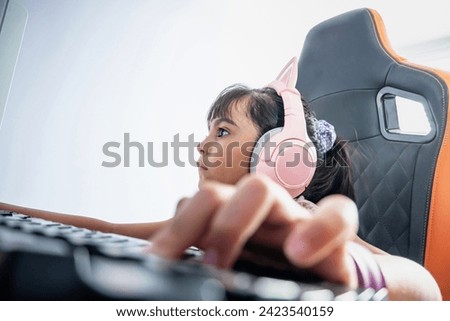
{"points": [[286, 154]]}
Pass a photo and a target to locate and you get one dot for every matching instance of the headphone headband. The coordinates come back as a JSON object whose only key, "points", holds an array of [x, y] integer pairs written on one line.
{"points": [[294, 116], [281, 87]]}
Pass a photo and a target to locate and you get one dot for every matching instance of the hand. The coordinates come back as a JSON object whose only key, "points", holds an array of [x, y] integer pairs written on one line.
{"points": [[222, 219]]}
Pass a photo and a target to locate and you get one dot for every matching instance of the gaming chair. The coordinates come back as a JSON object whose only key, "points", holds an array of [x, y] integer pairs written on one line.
{"points": [[352, 78]]}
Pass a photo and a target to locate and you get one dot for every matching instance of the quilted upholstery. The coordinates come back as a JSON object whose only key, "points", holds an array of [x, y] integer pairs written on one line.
{"points": [[384, 172]]}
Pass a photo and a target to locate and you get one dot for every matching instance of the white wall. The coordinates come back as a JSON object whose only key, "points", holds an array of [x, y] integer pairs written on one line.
{"points": [[91, 70]]}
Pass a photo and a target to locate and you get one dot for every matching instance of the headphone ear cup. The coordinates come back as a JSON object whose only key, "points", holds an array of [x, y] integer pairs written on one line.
{"points": [[295, 165], [290, 162]]}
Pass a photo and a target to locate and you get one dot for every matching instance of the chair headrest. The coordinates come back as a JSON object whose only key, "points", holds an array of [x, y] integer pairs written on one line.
{"points": [[348, 55]]}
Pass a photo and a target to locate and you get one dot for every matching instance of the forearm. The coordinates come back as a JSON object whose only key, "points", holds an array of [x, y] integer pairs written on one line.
{"points": [[138, 230], [76, 220], [406, 279]]}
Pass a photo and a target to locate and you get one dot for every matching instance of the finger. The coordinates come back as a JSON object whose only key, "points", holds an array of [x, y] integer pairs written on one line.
{"points": [[313, 240], [257, 200], [191, 222]]}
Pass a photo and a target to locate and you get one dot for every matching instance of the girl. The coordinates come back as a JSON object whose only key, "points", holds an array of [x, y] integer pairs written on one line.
{"points": [[234, 213]]}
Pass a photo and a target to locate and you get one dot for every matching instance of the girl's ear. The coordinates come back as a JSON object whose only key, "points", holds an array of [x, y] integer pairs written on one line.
{"points": [[288, 76]]}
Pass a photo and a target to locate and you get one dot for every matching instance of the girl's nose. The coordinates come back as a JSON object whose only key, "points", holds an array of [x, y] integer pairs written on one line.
{"points": [[201, 146]]}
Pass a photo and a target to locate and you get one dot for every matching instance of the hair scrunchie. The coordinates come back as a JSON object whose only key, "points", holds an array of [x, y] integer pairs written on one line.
{"points": [[325, 135]]}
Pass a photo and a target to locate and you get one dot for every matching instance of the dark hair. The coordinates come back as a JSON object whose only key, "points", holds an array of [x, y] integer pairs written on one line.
{"points": [[265, 108]]}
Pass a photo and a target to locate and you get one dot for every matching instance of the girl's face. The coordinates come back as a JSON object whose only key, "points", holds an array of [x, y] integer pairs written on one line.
{"points": [[225, 152]]}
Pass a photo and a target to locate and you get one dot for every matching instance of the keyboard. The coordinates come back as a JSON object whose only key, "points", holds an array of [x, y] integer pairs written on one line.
{"points": [[45, 260]]}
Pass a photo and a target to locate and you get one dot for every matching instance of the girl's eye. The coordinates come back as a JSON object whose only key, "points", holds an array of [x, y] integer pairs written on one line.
{"points": [[222, 132]]}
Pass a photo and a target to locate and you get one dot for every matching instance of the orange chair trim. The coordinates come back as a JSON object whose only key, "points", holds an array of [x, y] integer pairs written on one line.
{"points": [[437, 250]]}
